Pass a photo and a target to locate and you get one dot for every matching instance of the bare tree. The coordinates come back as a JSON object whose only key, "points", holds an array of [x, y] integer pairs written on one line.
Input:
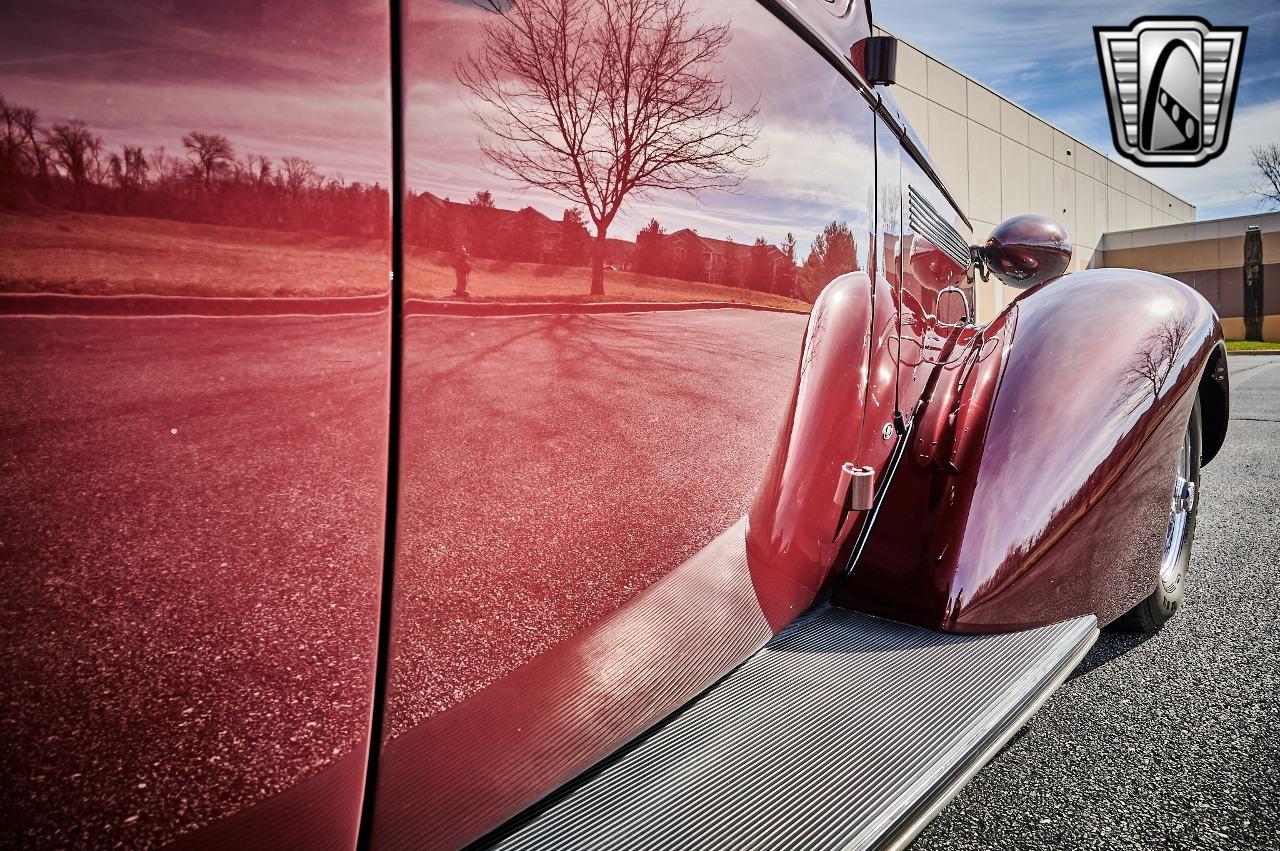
{"points": [[889, 207], [1266, 160], [1149, 366], [297, 174], [129, 168], [36, 145], [12, 155], [257, 167], [165, 170], [596, 101], [212, 154], [789, 247], [483, 198], [23, 149], [75, 150], [787, 280]]}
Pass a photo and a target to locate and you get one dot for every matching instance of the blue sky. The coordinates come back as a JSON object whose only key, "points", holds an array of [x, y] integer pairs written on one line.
{"points": [[1041, 55]]}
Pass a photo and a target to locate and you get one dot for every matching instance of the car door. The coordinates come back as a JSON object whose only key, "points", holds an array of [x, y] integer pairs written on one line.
{"points": [[591, 390], [194, 361]]}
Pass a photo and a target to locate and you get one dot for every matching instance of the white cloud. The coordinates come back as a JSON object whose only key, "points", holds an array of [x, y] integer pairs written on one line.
{"points": [[1221, 187], [1042, 56], [346, 132]]}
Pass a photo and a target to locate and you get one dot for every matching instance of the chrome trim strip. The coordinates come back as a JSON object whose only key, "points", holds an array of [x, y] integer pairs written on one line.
{"points": [[926, 221], [921, 212]]}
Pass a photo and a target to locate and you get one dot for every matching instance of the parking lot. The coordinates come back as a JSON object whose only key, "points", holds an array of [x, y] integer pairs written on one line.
{"points": [[1167, 740]]}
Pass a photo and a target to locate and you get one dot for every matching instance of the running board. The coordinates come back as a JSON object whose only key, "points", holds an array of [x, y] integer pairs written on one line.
{"points": [[846, 731]]}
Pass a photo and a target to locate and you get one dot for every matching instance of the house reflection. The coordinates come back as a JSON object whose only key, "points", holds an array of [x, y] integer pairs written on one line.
{"points": [[526, 254]]}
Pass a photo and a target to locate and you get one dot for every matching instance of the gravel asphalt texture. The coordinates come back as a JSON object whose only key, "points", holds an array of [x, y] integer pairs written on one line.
{"points": [[526, 438], [1165, 740], [190, 552]]}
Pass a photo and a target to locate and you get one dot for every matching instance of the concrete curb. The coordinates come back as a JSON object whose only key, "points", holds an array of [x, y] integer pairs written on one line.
{"points": [[428, 307], [68, 304], [1252, 352]]}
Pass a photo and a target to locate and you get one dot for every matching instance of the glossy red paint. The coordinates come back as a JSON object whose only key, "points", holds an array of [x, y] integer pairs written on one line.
{"points": [[1024, 502], [840, 407], [796, 527], [621, 423], [179, 611], [194, 378], [571, 460]]}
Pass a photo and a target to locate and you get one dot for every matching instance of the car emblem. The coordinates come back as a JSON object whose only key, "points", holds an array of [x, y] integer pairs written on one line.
{"points": [[1171, 84]]}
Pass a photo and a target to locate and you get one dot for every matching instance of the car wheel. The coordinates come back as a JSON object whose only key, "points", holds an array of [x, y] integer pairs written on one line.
{"points": [[1164, 602]]}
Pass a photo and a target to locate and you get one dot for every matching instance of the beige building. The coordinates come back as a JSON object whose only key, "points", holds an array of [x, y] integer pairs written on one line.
{"points": [[1000, 160], [1228, 261]]}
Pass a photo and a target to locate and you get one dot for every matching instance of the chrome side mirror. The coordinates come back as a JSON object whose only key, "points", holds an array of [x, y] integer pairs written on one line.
{"points": [[1024, 251]]}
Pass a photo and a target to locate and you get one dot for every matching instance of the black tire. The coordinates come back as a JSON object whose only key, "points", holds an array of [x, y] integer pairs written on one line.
{"points": [[1163, 603]]}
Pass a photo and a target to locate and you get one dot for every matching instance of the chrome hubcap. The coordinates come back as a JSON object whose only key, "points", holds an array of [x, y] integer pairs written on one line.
{"points": [[1181, 503]]}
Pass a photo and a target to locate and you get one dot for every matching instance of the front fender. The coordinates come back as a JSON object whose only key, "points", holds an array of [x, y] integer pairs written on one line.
{"points": [[1037, 486], [842, 398]]}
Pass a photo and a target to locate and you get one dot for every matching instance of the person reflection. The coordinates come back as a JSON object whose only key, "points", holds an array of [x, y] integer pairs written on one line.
{"points": [[461, 267]]}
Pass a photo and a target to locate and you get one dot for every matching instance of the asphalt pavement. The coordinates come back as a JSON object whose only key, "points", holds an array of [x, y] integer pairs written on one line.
{"points": [[190, 559], [1166, 740], [526, 439], [191, 531]]}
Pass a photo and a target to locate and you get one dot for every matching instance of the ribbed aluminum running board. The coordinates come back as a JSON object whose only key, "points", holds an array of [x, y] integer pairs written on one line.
{"points": [[846, 731]]}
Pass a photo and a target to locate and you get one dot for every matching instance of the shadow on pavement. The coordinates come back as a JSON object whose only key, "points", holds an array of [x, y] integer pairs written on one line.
{"points": [[1111, 643]]}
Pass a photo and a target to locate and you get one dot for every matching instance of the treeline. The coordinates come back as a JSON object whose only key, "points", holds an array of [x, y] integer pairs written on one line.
{"points": [[759, 266], [68, 167], [527, 235], [491, 232]]}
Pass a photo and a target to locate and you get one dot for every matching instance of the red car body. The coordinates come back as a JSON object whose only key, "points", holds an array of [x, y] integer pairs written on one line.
{"points": [[295, 556]]}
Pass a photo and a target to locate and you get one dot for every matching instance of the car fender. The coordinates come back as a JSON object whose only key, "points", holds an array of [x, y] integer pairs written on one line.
{"points": [[842, 398], [1037, 482]]}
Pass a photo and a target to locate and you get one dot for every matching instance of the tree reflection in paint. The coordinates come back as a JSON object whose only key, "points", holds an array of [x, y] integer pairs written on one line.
{"points": [[1149, 366], [603, 100]]}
